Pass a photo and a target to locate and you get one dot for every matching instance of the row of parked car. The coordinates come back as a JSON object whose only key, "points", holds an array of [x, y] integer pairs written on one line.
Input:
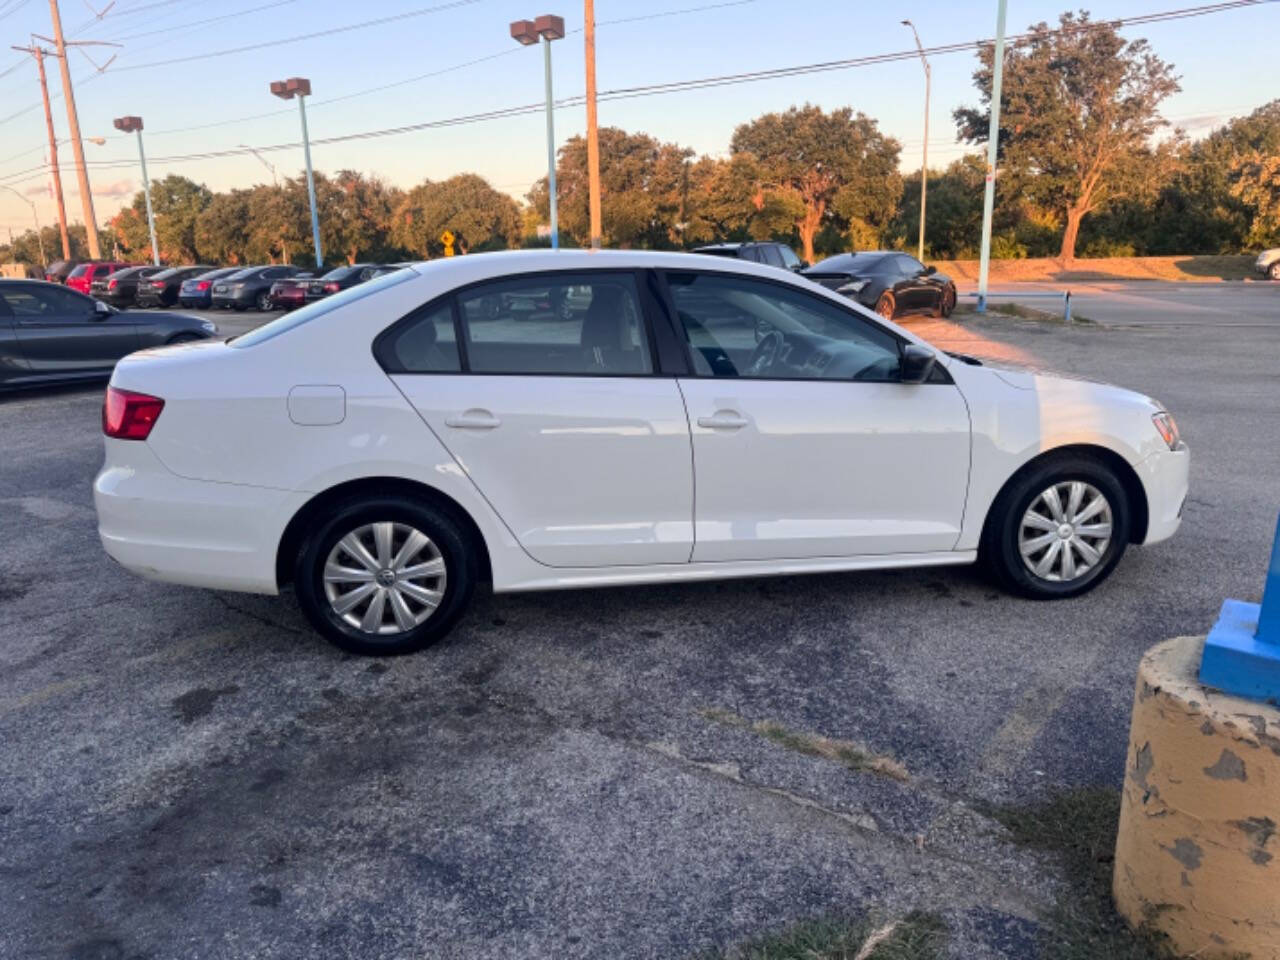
{"points": [[263, 287], [892, 283]]}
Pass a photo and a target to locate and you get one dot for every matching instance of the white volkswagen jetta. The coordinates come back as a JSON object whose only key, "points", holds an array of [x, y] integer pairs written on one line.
{"points": [[575, 419]]}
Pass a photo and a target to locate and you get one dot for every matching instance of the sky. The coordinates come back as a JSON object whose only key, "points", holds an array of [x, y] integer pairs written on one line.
{"points": [[442, 59]]}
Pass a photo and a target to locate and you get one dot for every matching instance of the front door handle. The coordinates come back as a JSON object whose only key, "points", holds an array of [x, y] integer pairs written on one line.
{"points": [[723, 420], [473, 420]]}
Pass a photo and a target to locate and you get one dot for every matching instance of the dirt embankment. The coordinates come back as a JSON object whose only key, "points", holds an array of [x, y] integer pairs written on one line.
{"points": [[1185, 269]]}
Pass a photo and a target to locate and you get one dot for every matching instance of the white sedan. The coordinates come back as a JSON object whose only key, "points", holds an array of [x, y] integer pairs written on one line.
{"points": [[572, 419]]}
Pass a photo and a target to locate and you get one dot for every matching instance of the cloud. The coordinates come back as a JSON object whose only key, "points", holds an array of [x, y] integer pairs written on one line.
{"points": [[119, 188]]}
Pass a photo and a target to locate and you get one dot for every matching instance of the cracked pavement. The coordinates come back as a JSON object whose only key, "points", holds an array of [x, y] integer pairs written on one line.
{"points": [[186, 773]]}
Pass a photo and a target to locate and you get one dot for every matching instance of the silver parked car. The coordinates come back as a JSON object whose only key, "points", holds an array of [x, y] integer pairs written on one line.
{"points": [[1268, 263]]}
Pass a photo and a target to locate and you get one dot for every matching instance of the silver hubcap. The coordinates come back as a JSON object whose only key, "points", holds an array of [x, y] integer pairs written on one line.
{"points": [[1065, 532], [385, 578]]}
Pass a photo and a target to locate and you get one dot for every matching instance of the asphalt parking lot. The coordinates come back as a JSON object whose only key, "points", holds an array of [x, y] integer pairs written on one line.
{"points": [[186, 773]]}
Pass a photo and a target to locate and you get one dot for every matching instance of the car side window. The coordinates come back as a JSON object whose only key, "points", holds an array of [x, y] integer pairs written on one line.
{"points": [[52, 304], [424, 342], [789, 258], [771, 256], [585, 324], [740, 327]]}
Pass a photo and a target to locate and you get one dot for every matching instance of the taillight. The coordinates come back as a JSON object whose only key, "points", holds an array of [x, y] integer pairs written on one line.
{"points": [[129, 416], [202, 285], [157, 284], [331, 288], [111, 284]]}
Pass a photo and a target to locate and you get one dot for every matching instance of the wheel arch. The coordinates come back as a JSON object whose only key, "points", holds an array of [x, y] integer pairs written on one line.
{"points": [[1128, 477], [296, 529]]}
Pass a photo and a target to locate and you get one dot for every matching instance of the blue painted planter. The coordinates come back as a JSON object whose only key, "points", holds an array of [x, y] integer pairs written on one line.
{"points": [[1242, 651]]}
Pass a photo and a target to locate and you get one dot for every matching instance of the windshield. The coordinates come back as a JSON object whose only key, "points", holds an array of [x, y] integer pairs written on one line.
{"points": [[319, 308]]}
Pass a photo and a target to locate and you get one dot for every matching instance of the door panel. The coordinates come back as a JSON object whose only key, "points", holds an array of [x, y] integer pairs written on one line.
{"points": [[60, 332], [826, 468], [585, 471]]}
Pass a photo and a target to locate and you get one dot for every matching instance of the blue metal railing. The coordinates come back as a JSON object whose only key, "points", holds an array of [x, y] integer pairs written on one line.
{"points": [[1064, 296]]}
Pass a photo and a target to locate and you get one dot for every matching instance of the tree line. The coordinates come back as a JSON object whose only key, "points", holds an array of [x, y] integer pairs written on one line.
{"points": [[1085, 169]]}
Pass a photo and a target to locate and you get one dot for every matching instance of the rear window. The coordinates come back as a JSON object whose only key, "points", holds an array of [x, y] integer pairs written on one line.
{"points": [[318, 309], [166, 274], [244, 274], [79, 271]]}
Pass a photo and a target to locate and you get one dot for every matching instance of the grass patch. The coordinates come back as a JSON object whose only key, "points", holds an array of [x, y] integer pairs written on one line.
{"points": [[847, 753], [917, 936], [1080, 827]]}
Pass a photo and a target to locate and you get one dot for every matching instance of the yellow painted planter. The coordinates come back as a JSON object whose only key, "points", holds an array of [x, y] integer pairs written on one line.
{"points": [[1198, 856]]}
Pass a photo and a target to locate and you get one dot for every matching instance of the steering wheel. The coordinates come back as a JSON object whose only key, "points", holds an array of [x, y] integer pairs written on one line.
{"points": [[765, 354]]}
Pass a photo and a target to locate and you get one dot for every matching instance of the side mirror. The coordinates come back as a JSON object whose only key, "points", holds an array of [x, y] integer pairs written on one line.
{"points": [[930, 270], [916, 363]]}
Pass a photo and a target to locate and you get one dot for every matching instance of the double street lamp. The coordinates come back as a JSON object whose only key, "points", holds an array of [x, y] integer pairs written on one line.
{"points": [[134, 125], [527, 33], [34, 216], [300, 87]]}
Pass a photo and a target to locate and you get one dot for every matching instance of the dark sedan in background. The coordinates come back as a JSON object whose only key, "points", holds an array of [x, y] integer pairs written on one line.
{"points": [[892, 284], [340, 278], [50, 334], [250, 287], [197, 291], [290, 293], [161, 289], [119, 288]]}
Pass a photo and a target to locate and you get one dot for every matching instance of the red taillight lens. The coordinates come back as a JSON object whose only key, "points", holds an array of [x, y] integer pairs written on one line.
{"points": [[111, 284], [202, 285], [157, 284], [331, 288], [129, 416]]}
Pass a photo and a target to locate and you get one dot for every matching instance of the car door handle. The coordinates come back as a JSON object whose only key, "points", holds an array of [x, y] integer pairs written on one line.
{"points": [[723, 420], [473, 420]]}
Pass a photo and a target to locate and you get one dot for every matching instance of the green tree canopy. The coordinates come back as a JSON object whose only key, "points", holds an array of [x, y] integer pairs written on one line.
{"points": [[480, 217], [177, 203], [1078, 110]]}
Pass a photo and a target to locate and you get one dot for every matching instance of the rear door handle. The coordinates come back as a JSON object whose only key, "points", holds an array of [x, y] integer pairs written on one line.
{"points": [[473, 420], [723, 420]]}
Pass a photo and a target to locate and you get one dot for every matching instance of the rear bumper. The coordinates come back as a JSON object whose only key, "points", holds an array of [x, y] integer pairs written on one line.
{"points": [[1165, 477], [165, 527], [244, 299]]}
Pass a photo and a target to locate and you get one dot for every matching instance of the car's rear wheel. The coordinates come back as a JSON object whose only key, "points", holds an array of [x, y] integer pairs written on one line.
{"points": [[1274, 272], [264, 302], [385, 575], [1058, 529], [885, 306]]}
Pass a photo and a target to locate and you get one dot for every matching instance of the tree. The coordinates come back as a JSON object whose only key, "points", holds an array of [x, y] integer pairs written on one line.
{"points": [[1077, 113], [954, 212], [222, 229], [1256, 184], [815, 168], [479, 217], [177, 203]]}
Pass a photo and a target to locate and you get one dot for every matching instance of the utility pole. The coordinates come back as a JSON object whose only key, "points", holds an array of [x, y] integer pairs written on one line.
{"points": [[39, 53], [924, 158], [73, 124], [993, 144], [593, 136]]}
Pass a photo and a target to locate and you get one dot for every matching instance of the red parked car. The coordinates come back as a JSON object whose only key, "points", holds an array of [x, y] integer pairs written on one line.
{"points": [[82, 277], [290, 293]]}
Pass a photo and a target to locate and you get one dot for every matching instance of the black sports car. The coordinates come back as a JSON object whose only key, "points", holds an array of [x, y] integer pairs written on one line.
{"points": [[892, 284], [50, 334]]}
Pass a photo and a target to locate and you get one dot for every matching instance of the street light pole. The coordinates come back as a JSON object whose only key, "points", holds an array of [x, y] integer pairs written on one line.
{"points": [[527, 32], [300, 87], [924, 157], [134, 125], [993, 143], [44, 261]]}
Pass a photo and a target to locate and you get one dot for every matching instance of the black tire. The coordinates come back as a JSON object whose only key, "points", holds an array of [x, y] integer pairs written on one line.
{"points": [[1000, 549], [885, 306], [447, 538], [948, 302], [264, 302], [1274, 272]]}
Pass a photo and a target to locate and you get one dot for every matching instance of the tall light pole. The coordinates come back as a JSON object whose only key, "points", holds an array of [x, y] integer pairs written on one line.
{"points": [[39, 53], [73, 124], [924, 157], [44, 262], [134, 125], [300, 87], [993, 144], [593, 135], [527, 32]]}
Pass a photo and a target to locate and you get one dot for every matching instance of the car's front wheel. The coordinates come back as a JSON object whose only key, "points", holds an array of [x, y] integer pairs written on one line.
{"points": [[385, 575], [885, 305], [948, 301], [1058, 529], [1274, 272], [264, 302]]}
